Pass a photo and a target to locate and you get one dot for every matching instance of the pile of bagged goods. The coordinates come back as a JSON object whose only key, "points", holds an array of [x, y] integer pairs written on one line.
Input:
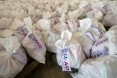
{"points": [[73, 30]]}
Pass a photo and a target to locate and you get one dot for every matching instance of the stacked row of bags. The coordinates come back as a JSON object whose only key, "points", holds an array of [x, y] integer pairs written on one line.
{"points": [[74, 31], [13, 43]]}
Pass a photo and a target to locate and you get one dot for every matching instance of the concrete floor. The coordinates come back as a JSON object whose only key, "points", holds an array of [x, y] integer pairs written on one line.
{"points": [[49, 70]]}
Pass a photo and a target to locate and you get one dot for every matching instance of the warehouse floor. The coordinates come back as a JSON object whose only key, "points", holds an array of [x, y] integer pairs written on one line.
{"points": [[49, 70]]}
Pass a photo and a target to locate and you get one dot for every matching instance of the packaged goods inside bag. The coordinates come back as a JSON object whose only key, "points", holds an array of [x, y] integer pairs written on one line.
{"points": [[33, 42], [95, 14], [12, 57], [69, 51], [88, 33], [112, 45], [92, 26], [102, 67], [82, 34], [43, 25], [5, 22], [100, 48], [85, 42], [110, 20], [50, 38]]}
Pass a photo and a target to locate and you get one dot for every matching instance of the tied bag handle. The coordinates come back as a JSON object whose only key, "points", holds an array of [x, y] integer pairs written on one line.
{"points": [[85, 24], [65, 37], [11, 44], [28, 24]]}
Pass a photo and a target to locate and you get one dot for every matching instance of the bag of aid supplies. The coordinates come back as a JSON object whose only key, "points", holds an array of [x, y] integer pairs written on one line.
{"points": [[69, 52], [102, 67], [33, 42], [50, 39], [100, 48], [90, 30], [19, 29], [112, 45], [12, 57]]}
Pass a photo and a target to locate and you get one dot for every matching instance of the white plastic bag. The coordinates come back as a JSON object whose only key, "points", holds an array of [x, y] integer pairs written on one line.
{"points": [[43, 25], [112, 35], [113, 27], [102, 67], [95, 28], [5, 22], [19, 29], [85, 39], [63, 8], [72, 24], [85, 42], [50, 38], [34, 43], [13, 58], [97, 4], [100, 48], [16, 24], [112, 9], [101, 5], [110, 20], [95, 14], [69, 52], [7, 33], [77, 75], [85, 6], [76, 13], [60, 27], [21, 33]]}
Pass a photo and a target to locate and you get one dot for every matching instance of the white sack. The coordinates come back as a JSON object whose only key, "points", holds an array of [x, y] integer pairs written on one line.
{"points": [[85, 6], [110, 20], [13, 58], [101, 5], [95, 28], [19, 29], [97, 4], [33, 42], [102, 67], [60, 27], [50, 38], [63, 9], [73, 49], [73, 25], [76, 13], [17, 24], [7, 33], [95, 14], [85, 42], [21, 33], [113, 27], [112, 9], [112, 35], [100, 48], [87, 35], [5, 22], [43, 25]]}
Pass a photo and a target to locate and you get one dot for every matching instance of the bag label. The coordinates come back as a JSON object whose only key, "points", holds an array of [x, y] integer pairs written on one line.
{"points": [[90, 36], [65, 60], [113, 41], [100, 53], [22, 31], [100, 30], [101, 42], [37, 42]]}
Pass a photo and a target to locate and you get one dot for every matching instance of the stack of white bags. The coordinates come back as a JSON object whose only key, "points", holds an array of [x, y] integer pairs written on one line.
{"points": [[73, 30]]}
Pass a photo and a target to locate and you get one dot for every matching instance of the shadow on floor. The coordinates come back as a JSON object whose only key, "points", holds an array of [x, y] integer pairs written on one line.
{"points": [[49, 70]]}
